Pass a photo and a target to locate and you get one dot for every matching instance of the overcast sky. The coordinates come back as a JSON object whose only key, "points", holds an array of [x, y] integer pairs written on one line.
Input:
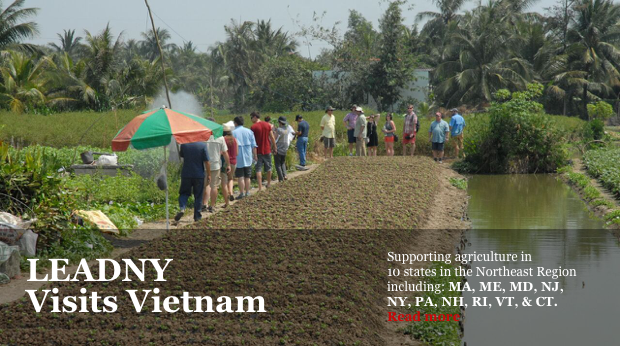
{"points": [[202, 21]]}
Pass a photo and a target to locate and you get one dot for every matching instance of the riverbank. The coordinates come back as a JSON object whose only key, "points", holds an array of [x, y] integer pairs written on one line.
{"points": [[598, 199], [320, 285]]}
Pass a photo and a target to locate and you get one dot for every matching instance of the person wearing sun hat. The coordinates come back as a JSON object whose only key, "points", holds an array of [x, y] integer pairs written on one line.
{"points": [[283, 141], [328, 126]]}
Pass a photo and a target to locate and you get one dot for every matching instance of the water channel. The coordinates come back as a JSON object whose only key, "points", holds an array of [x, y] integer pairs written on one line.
{"points": [[542, 216]]}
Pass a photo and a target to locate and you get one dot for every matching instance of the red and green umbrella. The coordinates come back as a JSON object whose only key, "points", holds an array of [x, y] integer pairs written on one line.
{"points": [[157, 127]]}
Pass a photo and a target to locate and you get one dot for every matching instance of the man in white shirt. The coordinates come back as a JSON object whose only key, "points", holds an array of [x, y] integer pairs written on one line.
{"points": [[217, 149]]}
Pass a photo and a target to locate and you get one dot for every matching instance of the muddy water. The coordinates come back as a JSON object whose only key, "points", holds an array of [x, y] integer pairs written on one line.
{"points": [[550, 222]]}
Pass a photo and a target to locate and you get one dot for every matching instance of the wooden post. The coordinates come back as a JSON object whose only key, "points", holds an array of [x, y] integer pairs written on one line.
{"points": [[161, 53]]}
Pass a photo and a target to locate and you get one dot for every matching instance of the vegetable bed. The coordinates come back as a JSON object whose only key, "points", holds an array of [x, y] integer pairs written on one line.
{"points": [[323, 287]]}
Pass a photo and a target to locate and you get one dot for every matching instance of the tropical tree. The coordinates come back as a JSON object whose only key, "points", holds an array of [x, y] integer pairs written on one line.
{"points": [[148, 46], [25, 85], [68, 43], [13, 29], [594, 37], [248, 45], [394, 68], [479, 59], [101, 64]]}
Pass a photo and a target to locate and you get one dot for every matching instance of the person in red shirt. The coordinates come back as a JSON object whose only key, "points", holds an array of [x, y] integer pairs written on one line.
{"points": [[266, 145]]}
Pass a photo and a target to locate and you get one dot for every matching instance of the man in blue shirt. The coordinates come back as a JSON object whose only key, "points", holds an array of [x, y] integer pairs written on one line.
{"points": [[457, 125], [438, 133], [245, 156], [303, 129], [195, 163]]}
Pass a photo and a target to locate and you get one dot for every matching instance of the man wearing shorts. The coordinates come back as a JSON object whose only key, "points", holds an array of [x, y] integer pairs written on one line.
{"points": [[349, 122], [217, 149], [438, 133], [246, 152], [328, 126], [409, 130], [266, 142], [457, 125]]}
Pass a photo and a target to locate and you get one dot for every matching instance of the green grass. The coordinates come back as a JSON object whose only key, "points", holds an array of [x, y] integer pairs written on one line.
{"points": [[459, 183], [64, 129]]}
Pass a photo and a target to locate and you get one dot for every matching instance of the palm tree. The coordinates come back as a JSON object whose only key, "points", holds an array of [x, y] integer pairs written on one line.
{"points": [[101, 63], [12, 27], [149, 44], [594, 37], [479, 60], [68, 42], [25, 83]]}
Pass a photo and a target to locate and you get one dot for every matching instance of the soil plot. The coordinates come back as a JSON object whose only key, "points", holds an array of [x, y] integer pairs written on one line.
{"points": [[322, 283]]}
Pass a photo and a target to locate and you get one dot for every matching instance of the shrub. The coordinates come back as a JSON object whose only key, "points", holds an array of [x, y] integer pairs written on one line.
{"points": [[518, 138], [600, 111]]}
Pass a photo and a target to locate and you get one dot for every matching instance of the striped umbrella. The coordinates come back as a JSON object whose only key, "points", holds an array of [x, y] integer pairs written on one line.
{"points": [[156, 128]]}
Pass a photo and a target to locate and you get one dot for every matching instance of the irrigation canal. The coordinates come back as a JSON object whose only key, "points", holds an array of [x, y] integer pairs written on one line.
{"points": [[540, 215]]}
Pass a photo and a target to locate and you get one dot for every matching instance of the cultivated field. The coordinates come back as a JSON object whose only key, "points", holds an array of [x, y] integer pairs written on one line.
{"points": [[321, 286]]}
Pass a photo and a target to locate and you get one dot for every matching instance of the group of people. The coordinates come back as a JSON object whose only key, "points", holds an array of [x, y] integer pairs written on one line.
{"points": [[209, 165], [214, 164], [362, 133]]}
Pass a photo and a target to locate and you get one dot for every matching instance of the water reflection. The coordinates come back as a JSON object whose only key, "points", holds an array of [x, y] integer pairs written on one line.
{"points": [[562, 233]]}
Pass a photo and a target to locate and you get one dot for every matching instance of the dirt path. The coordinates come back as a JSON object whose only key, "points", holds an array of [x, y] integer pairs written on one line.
{"points": [[440, 232], [145, 233]]}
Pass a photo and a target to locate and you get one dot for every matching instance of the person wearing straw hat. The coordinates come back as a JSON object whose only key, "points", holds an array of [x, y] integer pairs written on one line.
{"points": [[283, 141]]}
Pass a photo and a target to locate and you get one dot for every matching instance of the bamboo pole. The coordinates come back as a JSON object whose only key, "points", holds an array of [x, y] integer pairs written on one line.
{"points": [[161, 53]]}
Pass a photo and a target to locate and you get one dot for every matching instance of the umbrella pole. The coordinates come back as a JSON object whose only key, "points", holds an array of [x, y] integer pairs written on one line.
{"points": [[166, 174]]}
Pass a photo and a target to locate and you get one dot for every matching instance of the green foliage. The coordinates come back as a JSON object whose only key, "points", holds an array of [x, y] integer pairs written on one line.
{"points": [[603, 165], [594, 130], [77, 243], [600, 110], [119, 189], [394, 69], [30, 179], [519, 138], [434, 332], [286, 84], [459, 183], [613, 217]]}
